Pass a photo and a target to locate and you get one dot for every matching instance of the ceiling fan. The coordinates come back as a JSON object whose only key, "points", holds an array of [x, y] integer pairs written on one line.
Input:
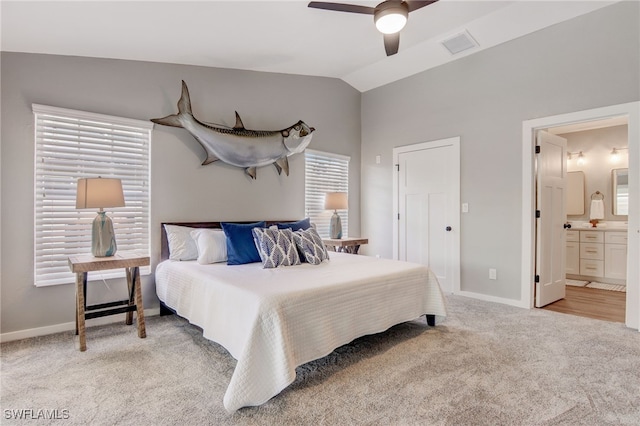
{"points": [[390, 17]]}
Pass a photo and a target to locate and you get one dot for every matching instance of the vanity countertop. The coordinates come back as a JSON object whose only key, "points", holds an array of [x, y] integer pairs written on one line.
{"points": [[610, 226]]}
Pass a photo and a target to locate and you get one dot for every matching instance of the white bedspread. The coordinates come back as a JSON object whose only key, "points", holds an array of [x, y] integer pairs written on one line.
{"points": [[273, 320]]}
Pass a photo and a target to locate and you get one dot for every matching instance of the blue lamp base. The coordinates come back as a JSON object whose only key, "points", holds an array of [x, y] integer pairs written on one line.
{"points": [[103, 239]]}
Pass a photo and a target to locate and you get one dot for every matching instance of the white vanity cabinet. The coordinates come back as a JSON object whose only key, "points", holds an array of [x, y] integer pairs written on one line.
{"points": [[597, 255], [615, 255], [592, 253], [573, 253]]}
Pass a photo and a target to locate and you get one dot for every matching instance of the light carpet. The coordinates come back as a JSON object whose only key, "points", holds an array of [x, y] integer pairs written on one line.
{"points": [[486, 364]]}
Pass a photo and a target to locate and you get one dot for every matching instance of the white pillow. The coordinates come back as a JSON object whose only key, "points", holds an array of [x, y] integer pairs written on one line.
{"points": [[212, 245], [181, 245]]}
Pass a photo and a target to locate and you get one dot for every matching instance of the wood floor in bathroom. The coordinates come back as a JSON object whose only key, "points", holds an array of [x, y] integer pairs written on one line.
{"points": [[592, 303]]}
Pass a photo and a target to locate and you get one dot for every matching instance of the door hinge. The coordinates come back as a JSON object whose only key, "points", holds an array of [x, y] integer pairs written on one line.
{"points": [[537, 278], [537, 213], [398, 216], [397, 167], [537, 149]]}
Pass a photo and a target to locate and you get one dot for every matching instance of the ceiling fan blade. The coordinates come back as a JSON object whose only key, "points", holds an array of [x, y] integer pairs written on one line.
{"points": [[391, 43], [414, 5], [341, 7]]}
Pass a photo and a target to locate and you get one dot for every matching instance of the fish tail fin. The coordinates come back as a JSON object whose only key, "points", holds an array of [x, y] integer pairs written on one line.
{"points": [[210, 159], [184, 104], [184, 107], [169, 120]]}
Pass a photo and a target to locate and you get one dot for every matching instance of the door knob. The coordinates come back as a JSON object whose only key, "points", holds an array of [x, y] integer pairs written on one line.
{"points": [[448, 228]]}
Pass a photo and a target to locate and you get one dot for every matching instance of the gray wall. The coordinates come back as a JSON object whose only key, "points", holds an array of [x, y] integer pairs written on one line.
{"points": [[596, 145], [182, 189], [590, 61]]}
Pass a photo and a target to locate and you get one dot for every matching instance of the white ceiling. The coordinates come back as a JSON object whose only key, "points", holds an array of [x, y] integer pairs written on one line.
{"points": [[273, 36]]}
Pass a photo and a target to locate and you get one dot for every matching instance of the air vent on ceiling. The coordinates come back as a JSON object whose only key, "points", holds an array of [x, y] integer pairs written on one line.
{"points": [[459, 43]]}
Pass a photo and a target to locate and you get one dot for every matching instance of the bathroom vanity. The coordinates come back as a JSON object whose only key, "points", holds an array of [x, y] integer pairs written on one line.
{"points": [[597, 254]]}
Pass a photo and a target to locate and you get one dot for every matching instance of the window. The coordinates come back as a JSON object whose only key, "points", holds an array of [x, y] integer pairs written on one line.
{"points": [[325, 172], [74, 144]]}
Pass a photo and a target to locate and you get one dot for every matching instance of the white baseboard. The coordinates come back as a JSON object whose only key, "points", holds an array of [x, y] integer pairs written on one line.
{"points": [[67, 326], [487, 298]]}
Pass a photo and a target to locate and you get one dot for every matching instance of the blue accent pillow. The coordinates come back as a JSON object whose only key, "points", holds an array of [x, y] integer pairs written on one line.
{"points": [[294, 226], [240, 246]]}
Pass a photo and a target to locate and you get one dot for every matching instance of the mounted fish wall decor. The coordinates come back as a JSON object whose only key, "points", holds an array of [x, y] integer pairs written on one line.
{"points": [[238, 146]]}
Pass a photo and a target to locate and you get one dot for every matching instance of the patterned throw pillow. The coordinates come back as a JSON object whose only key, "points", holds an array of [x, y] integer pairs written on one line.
{"points": [[311, 246], [276, 247]]}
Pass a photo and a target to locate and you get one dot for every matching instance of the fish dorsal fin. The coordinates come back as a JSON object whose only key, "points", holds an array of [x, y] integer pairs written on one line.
{"points": [[239, 125]]}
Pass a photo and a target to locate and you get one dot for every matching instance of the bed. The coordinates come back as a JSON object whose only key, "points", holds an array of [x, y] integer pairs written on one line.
{"points": [[274, 320]]}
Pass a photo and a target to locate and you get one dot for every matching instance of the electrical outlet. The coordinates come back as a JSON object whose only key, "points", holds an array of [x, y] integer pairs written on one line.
{"points": [[493, 274], [378, 159], [465, 207]]}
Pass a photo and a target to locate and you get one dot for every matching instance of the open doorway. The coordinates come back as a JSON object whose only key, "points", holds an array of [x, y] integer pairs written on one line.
{"points": [[595, 219], [595, 303], [530, 127]]}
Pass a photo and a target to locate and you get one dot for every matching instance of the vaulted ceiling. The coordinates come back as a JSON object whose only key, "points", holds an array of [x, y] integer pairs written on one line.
{"points": [[272, 36]]}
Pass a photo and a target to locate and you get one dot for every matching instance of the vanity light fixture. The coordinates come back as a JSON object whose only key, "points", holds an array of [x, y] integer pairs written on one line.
{"points": [[580, 155], [615, 155]]}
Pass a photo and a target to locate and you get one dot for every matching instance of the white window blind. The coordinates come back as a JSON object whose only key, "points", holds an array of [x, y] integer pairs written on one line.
{"points": [[325, 172], [75, 144]]}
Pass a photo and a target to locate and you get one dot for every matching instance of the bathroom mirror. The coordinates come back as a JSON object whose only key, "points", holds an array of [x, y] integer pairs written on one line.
{"points": [[575, 193], [620, 191]]}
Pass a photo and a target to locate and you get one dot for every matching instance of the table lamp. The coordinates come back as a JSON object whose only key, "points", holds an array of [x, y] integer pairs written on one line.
{"points": [[335, 201], [101, 193]]}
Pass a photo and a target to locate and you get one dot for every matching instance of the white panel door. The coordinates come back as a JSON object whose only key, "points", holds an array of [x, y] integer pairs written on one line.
{"points": [[427, 200], [551, 202]]}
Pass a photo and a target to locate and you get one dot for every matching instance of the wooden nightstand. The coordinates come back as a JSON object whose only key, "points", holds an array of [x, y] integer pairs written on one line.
{"points": [[131, 261], [347, 244]]}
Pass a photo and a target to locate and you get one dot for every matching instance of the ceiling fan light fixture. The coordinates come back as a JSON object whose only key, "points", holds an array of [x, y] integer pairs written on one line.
{"points": [[391, 20]]}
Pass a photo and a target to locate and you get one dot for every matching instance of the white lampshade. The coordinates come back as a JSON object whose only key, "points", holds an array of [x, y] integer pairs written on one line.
{"points": [[336, 201], [391, 20], [99, 193]]}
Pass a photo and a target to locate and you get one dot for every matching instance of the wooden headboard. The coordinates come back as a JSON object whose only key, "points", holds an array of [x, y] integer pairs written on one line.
{"points": [[164, 243]]}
